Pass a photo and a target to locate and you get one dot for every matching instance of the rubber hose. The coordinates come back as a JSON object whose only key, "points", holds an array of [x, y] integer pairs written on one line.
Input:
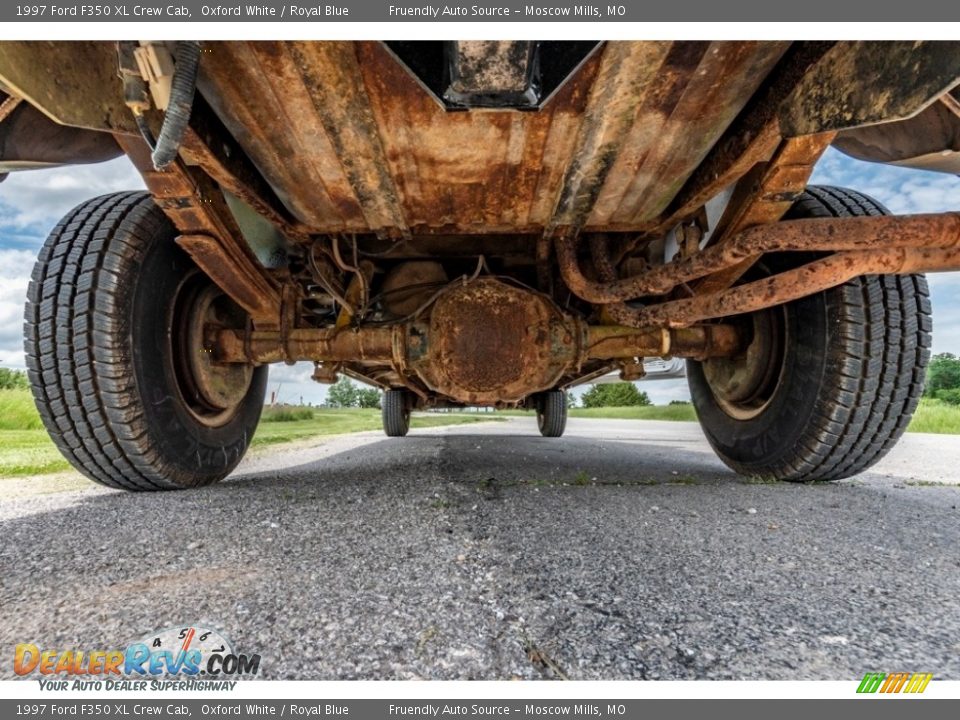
{"points": [[177, 116]]}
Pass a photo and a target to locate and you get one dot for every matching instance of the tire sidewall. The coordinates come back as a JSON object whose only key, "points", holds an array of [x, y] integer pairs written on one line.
{"points": [[193, 452], [772, 435]]}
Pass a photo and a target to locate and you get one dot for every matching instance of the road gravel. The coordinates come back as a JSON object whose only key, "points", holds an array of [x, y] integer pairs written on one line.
{"points": [[625, 550]]}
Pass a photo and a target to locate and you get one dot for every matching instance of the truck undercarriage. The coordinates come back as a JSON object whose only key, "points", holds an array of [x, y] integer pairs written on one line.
{"points": [[480, 223]]}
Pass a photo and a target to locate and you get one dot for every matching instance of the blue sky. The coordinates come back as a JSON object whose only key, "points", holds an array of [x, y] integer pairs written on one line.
{"points": [[32, 202]]}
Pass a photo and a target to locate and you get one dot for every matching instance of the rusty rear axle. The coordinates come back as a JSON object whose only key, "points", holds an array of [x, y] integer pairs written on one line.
{"points": [[482, 342], [387, 344]]}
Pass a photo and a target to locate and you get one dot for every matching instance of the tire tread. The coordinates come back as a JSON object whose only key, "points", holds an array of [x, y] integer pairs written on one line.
{"points": [[878, 353], [78, 366]]}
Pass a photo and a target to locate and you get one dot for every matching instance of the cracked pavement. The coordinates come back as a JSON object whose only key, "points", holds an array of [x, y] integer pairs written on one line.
{"points": [[625, 550]]}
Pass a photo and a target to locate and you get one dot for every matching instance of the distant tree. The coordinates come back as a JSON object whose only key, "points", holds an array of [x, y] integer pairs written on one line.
{"points": [[951, 396], [368, 397], [679, 402], [943, 373], [571, 400], [13, 379], [622, 394], [343, 394]]}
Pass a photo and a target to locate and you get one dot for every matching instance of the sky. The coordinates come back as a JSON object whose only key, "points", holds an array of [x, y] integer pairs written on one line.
{"points": [[32, 202]]}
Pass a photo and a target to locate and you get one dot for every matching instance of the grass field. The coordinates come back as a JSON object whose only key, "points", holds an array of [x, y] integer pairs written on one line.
{"points": [[677, 413], [337, 422], [648, 412], [932, 416], [25, 448], [935, 416]]}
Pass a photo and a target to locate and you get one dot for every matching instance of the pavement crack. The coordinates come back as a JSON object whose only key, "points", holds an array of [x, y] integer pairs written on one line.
{"points": [[542, 661]]}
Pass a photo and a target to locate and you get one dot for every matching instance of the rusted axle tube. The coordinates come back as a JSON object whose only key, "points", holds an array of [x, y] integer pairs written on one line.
{"points": [[389, 345], [791, 285], [816, 234], [615, 342], [329, 345]]}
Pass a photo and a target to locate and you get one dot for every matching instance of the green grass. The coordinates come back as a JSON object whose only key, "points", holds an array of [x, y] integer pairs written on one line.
{"points": [[932, 416], [935, 416], [646, 412], [336, 422], [29, 452], [26, 449], [643, 412], [286, 413], [17, 411]]}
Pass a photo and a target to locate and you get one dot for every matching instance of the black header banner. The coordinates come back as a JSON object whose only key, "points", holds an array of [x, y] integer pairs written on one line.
{"points": [[279, 11]]}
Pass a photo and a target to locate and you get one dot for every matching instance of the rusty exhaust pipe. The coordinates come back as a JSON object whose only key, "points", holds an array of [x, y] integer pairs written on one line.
{"points": [[792, 285], [936, 231]]}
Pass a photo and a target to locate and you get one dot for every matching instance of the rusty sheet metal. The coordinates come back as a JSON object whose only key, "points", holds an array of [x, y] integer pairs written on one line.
{"points": [[301, 112], [940, 230], [196, 207], [860, 83], [73, 83], [700, 89], [350, 141], [625, 79], [332, 78], [753, 137], [479, 171], [258, 92], [928, 141], [800, 282]]}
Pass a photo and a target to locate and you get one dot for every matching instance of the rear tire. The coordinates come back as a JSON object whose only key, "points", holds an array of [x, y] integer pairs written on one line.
{"points": [[395, 409], [552, 413], [849, 371], [107, 323]]}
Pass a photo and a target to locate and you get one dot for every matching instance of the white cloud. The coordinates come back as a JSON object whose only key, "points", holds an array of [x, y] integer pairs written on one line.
{"points": [[904, 191], [32, 202], [661, 392], [15, 268], [39, 198], [292, 384]]}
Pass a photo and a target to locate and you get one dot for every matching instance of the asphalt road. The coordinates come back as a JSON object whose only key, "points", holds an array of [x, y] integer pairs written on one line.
{"points": [[624, 550]]}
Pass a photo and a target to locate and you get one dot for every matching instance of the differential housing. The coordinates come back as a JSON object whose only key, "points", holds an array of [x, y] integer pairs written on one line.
{"points": [[488, 342]]}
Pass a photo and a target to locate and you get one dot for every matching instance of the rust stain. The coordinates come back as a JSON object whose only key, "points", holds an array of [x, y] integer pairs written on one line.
{"points": [[280, 131], [883, 232], [716, 91], [808, 279]]}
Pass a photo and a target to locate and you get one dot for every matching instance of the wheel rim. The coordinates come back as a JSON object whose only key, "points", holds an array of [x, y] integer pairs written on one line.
{"points": [[745, 384], [211, 392]]}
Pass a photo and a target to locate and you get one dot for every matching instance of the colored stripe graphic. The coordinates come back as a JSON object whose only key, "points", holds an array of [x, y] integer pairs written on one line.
{"points": [[894, 682]]}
